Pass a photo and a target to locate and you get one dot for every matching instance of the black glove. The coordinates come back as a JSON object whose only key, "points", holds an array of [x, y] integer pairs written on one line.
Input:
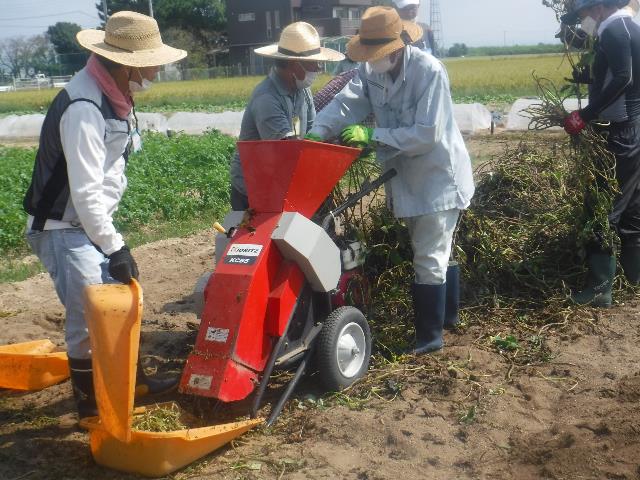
{"points": [[122, 266]]}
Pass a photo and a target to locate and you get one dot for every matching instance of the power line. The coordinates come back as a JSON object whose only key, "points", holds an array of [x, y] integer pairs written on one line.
{"points": [[47, 16], [26, 26]]}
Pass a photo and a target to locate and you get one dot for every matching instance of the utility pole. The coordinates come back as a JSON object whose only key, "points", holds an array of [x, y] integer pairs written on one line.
{"points": [[104, 11], [151, 8], [435, 21]]}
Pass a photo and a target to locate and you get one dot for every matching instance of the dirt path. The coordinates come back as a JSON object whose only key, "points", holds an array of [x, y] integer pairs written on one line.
{"points": [[575, 417]]}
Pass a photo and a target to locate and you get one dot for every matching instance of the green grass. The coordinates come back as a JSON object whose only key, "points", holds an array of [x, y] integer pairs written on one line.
{"points": [[177, 186], [499, 79], [17, 164], [16, 270]]}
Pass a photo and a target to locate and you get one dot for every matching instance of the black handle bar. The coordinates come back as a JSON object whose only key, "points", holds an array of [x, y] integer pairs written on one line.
{"points": [[355, 197]]}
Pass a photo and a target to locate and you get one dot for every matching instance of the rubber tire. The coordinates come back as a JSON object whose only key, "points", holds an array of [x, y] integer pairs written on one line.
{"points": [[327, 344]]}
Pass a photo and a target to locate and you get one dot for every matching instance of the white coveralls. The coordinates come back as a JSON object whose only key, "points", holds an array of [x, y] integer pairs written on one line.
{"points": [[417, 135]]}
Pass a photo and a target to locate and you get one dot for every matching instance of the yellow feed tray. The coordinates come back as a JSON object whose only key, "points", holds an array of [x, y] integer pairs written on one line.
{"points": [[32, 365], [156, 454], [114, 316]]}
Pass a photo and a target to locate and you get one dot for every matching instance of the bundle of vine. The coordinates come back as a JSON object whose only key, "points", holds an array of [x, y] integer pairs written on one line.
{"points": [[536, 210], [594, 163], [520, 244]]}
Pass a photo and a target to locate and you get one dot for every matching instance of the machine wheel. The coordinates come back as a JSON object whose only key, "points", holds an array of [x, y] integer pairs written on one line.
{"points": [[343, 348]]}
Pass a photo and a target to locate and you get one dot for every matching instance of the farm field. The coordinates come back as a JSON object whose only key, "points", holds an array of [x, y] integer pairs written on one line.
{"points": [[177, 185], [524, 388], [474, 411], [475, 79]]}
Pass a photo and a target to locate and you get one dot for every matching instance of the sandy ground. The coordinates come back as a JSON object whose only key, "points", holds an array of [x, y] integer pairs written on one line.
{"points": [[575, 417], [466, 413]]}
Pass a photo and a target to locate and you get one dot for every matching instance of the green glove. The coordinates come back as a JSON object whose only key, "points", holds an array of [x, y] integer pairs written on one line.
{"points": [[313, 137], [357, 135]]}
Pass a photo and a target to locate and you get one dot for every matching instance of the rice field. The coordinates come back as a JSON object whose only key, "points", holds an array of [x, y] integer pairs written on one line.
{"points": [[481, 79], [511, 76]]}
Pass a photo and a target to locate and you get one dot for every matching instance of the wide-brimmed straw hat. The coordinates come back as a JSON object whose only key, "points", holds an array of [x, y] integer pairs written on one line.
{"points": [[300, 41], [381, 33], [131, 39]]}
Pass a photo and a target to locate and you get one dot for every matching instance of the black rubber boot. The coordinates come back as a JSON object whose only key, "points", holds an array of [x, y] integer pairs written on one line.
{"points": [[602, 269], [452, 305], [82, 383], [146, 385], [630, 261], [429, 306]]}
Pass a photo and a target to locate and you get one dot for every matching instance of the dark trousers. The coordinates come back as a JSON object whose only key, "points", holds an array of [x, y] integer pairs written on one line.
{"points": [[239, 201], [624, 142]]}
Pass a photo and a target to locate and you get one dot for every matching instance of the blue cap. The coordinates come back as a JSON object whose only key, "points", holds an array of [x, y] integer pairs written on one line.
{"points": [[572, 17]]}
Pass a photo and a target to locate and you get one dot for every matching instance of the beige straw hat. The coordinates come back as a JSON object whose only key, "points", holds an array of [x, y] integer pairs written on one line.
{"points": [[131, 39], [381, 33], [300, 41]]}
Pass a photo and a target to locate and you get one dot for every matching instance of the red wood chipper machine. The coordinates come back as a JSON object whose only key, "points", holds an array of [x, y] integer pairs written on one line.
{"points": [[268, 304]]}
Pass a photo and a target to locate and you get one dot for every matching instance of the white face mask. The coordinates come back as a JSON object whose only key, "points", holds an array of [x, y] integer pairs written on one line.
{"points": [[135, 87], [382, 66], [307, 81], [589, 26]]}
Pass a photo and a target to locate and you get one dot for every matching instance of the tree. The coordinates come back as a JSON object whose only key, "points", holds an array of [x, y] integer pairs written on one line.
{"points": [[140, 6], [26, 56], [205, 20], [209, 15], [187, 14], [186, 40], [199, 23], [458, 50], [41, 56], [71, 56]]}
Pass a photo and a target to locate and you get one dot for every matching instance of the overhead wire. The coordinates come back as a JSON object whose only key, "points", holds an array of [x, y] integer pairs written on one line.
{"points": [[48, 16]]}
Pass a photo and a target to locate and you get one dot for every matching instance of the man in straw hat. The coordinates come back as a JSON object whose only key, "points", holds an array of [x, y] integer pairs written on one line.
{"points": [[281, 106], [408, 92], [78, 179], [614, 100]]}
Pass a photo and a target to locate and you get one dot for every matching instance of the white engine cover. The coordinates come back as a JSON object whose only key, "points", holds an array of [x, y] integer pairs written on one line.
{"points": [[302, 241]]}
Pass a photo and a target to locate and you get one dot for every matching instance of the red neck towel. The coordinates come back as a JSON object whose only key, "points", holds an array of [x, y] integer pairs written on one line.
{"points": [[121, 104]]}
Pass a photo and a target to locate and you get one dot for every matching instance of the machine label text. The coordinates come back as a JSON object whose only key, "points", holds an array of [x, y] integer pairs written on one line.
{"points": [[201, 382], [219, 335], [243, 254]]}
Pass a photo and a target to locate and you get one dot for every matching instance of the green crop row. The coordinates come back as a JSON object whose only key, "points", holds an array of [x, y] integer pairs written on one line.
{"points": [[171, 179]]}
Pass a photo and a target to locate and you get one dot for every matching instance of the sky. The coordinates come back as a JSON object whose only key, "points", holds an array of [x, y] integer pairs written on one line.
{"points": [[473, 22]]}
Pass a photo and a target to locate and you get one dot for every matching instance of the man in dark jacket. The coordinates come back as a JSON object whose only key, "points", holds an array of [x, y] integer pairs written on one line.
{"points": [[614, 98]]}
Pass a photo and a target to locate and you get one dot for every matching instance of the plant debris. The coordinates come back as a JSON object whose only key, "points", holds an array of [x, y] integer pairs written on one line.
{"points": [[159, 418]]}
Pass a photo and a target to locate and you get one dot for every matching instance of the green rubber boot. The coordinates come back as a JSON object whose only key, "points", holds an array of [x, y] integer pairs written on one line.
{"points": [[630, 261], [597, 293]]}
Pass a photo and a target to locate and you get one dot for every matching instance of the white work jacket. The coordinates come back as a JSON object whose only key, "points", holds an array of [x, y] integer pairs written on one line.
{"points": [[416, 133], [82, 132]]}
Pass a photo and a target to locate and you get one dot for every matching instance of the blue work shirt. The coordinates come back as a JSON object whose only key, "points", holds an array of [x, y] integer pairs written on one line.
{"points": [[416, 133], [273, 113]]}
